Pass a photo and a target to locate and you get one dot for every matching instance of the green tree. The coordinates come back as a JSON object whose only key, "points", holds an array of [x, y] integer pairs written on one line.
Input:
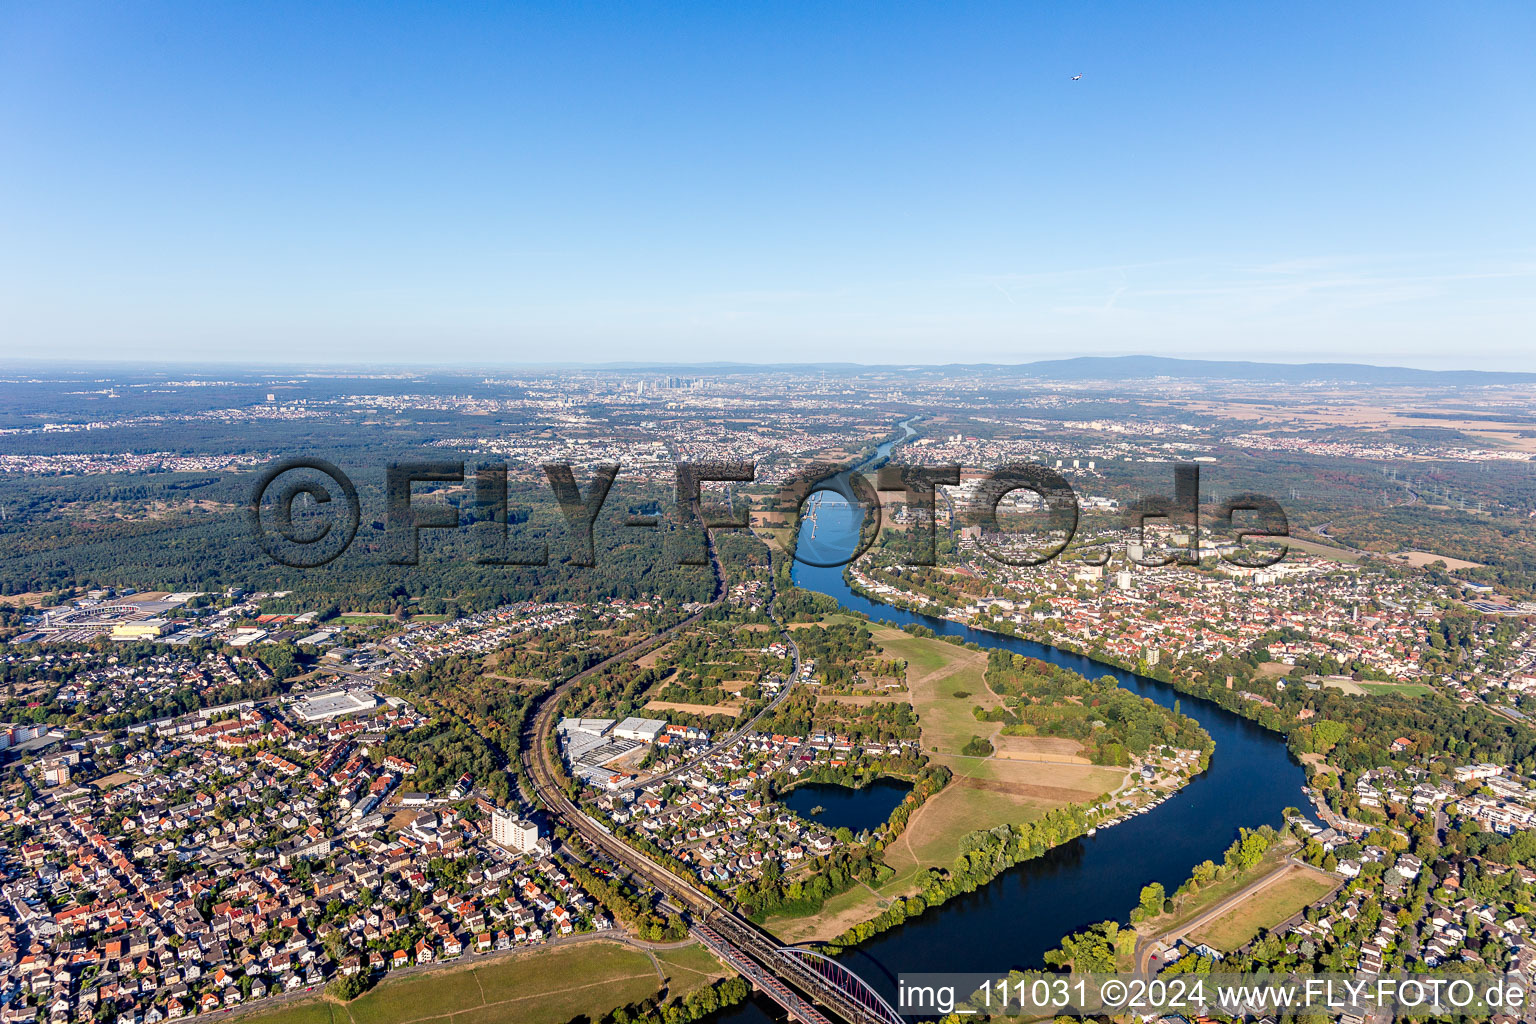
{"points": [[1152, 896]]}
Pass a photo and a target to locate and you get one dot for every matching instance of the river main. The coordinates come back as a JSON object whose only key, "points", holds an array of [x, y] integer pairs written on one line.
{"points": [[1013, 920]]}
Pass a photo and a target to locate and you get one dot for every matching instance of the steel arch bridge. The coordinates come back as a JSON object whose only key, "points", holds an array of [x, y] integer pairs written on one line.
{"points": [[872, 1007]]}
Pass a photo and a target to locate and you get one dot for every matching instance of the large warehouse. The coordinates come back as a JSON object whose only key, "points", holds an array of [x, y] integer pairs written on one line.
{"points": [[319, 707]]}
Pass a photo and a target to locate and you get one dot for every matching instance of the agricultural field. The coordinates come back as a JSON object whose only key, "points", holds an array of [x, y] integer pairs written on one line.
{"points": [[1419, 559], [688, 968], [1052, 749], [546, 987], [1264, 909], [733, 710], [944, 684]]}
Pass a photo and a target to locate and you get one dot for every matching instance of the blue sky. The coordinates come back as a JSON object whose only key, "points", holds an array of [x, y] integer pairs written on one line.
{"points": [[767, 182]]}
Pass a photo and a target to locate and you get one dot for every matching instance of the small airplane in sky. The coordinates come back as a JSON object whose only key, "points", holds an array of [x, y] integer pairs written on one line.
{"points": [[1077, 78]]}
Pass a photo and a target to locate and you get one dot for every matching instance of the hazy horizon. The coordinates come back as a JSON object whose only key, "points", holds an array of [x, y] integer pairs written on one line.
{"points": [[86, 365]]}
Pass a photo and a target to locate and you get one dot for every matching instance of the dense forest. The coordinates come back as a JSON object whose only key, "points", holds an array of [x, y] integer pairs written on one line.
{"points": [[1505, 544], [1109, 721], [190, 532]]}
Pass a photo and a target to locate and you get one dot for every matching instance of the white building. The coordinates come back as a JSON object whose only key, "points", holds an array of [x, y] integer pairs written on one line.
{"points": [[1466, 773], [514, 833], [335, 703], [643, 729], [246, 637]]}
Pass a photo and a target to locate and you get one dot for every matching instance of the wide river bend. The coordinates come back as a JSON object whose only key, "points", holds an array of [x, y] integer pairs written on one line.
{"points": [[1013, 920]]}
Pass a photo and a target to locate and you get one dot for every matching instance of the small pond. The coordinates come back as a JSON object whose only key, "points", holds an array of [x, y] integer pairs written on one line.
{"points": [[855, 809]]}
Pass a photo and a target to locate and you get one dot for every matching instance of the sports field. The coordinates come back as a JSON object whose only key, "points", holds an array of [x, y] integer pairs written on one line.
{"points": [[1397, 689]]}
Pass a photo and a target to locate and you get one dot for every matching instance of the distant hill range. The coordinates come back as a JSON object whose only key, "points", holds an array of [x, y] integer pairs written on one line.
{"points": [[1145, 368], [1080, 368]]}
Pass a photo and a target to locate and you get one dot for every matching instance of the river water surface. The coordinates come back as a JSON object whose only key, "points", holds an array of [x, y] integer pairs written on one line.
{"points": [[1013, 920]]}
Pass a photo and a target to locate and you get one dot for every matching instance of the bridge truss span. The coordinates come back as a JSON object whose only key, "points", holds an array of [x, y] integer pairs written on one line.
{"points": [[869, 1006]]}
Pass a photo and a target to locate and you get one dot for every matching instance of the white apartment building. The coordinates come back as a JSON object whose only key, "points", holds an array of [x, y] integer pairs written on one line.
{"points": [[514, 833]]}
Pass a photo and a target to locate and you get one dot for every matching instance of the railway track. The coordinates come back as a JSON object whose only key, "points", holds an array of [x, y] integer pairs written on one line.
{"points": [[748, 948]]}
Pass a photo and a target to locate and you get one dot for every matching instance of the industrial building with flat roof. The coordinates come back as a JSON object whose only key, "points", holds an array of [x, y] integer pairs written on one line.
{"points": [[588, 744], [143, 629], [335, 703], [643, 729]]}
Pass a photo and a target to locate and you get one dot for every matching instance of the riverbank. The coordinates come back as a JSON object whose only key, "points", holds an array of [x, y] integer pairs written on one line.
{"points": [[1025, 910], [907, 603], [946, 684], [1032, 902]]}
